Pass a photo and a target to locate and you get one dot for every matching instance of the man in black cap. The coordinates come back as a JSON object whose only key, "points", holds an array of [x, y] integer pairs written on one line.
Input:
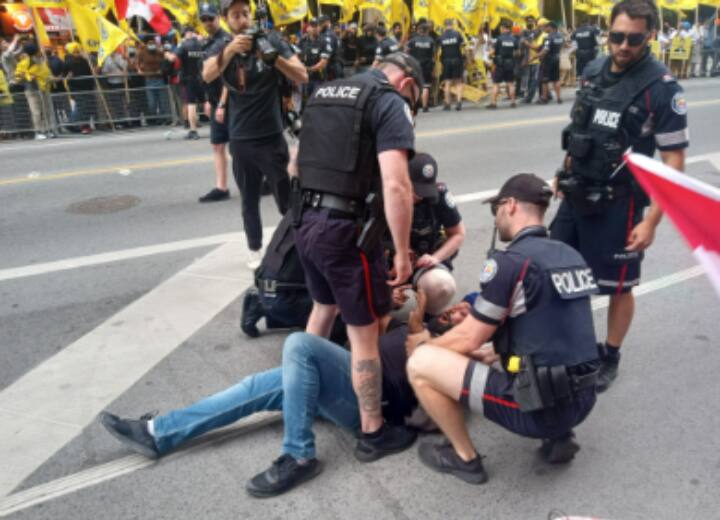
{"points": [[538, 379], [315, 53], [353, 168]]}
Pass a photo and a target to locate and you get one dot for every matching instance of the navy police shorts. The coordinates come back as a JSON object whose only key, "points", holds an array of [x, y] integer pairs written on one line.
{"points": [[193, 91], [452, 69], [503, 74], [601, 240], [337, 272], [489, 391], [219, 133], [550, 70]]}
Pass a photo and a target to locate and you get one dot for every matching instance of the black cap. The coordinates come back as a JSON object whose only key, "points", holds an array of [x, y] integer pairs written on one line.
{"points": [[408, 64], [423, 174], [208, 11], [525, 187]]}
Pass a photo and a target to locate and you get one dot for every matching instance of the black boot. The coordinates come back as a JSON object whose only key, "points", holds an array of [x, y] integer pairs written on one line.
{"points": [[252, 311], [559, 451]]}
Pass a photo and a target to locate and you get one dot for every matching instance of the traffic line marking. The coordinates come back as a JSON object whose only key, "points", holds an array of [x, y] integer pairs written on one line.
{"points": [[117, 468]]}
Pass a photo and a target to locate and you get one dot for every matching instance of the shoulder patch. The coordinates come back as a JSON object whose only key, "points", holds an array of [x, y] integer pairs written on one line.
{"points": [[428, 171], [409, 116], [678, 104], [489, 270], [668, 78], [450, 201]]}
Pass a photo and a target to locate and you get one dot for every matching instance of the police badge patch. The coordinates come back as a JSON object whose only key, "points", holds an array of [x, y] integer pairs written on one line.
{"points": [[450, 200], [489, 270], [678, 104], [428, 171]]}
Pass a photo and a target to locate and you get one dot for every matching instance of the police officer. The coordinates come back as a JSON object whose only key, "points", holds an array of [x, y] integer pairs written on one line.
{"points": [[451, 44], [422, 48], [385, 44], [251, 69], [216, 105], [586, 38], [550, 68], [627, 99], [436, 235], [547, 386], [367, 47], [353, 169], [335, 69], [505, 52], [190, 54], [315, 53]]}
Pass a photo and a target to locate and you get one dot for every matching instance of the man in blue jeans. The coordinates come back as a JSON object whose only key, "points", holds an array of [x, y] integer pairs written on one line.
{"points": [[314, 380]]}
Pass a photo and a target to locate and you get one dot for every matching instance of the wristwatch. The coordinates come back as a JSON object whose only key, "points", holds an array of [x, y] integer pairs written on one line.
{"points": [[221, 105]]}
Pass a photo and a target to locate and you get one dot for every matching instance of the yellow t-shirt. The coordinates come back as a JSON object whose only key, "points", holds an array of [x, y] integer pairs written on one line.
{"points": [[534, 55], [30, 71], [5, 96]]}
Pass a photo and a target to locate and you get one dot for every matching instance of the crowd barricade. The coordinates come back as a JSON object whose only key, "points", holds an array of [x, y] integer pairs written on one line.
{"points": [[115, 102]]}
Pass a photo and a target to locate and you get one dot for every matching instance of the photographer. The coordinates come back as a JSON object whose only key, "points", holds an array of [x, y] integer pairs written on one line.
{"points": [[251, 65]]}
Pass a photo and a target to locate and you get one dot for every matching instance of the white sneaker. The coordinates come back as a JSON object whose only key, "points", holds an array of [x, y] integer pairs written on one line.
{"points": [[40, 137], [254, 259]]}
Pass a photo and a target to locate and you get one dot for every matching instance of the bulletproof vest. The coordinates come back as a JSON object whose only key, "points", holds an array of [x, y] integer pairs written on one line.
{"points": [[311, 51], [337, 149], [421, 48], [191, 65], [451, 41], [506, 44], [388, 46], [556, 42], [559, 329], [425, 231], [585, 38], [595, 138]]}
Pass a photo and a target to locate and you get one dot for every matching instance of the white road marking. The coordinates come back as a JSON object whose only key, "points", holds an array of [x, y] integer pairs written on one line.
{"points": [[52, 403], [713, 158]]}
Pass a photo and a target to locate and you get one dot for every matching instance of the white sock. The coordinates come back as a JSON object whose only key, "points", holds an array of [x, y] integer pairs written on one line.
{"points": [[151, 427]]}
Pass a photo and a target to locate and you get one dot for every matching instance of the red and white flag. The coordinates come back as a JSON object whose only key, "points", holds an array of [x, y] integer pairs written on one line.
{"points": [[692, 205], [150, 10]]}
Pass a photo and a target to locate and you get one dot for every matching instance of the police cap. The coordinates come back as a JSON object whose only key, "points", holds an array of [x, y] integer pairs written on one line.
{"points": [[409, 65], [525, 187], [423, 174], [207, 11]]}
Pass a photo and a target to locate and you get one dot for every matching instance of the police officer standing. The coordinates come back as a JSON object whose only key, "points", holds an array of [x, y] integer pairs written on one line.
{"points": [[422, 47], [385, 44], [505, 53], [586, 38], [550, 68], [315, 53], [627, 99], [335, 69], [190, 54], [353, 169], [251, 66], [451, 44], [547, 386]]}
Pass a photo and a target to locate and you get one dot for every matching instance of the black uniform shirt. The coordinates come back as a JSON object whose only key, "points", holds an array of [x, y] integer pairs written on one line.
{"points": [[443, 213], [211, 48], [255, 113], [386, 46], [451, 43], [553, 44], [505, 46], [332, 42], [191, 55], [422, 48], [314, 50], [586, 37], [391, 122]]}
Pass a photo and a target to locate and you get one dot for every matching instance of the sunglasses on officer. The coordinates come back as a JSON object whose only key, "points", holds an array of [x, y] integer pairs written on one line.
{"points": [[495, 205], [633, 39], [206, 19]]}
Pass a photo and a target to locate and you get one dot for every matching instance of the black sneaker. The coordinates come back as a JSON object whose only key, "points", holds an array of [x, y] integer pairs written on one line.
{"points": [[252, 311], [446, 108], [458, 107], [608, 373], [425, 109], [215, 195], [443, 459], [559, 451], [393, 439], [192, 135], [284, 474], [491, 106], [132, 433]]}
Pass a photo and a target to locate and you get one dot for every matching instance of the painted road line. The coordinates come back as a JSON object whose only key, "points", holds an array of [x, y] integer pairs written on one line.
{"points": [[52, 403], [104, 472]]}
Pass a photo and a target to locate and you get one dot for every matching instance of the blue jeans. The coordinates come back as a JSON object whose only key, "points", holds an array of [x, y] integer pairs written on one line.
{"points": [[532, 85], [157, 98], [314, 379]]}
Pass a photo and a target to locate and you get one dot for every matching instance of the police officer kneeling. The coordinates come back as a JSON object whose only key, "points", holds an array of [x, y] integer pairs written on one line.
{"points": [[538, 378]]}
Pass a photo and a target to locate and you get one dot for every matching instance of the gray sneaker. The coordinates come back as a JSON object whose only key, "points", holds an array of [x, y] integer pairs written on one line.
{"points": [[132, 433], [443, 459]]}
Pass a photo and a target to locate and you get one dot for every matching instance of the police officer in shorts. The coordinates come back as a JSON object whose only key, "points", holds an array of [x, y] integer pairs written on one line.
{"points": [[386, 45], [315, 53], [353, 169], [550, 65], [535, 380], [627, 99], [451, 44], [190, 53], [505, 54], [422, 47]]}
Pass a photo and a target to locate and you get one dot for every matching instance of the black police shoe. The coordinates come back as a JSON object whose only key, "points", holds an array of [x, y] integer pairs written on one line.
{"points": [[215, 195], [252, 311], [559, 451], [192, 135], [446, 107], [284, 474], [443, 459], [458, 107], [132, 433], [607, 374], [392, 439]]}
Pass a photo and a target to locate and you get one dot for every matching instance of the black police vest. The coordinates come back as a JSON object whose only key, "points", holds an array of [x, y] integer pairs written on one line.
{"points": [[425, 235], [311, 51], [585, 38], [337, 149], [559, 329], [191, 66], [556, 42], [506, 47], [451, 44], [596, 139], [421, 48]]}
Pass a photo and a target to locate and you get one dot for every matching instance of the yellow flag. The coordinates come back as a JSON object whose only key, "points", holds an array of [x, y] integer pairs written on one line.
{"points": [[96, 34], [439, 12], [184, 11], [285, 12], [42, 36], [678, 5], [421, 9], [46, 3], [470, 14]]}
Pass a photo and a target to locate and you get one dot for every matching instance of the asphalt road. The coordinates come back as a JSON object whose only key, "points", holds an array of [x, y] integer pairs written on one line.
{"points": [[119, 290]]}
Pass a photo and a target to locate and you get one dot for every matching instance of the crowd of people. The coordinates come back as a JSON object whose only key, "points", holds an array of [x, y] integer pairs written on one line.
{"points": [[367, 227]]}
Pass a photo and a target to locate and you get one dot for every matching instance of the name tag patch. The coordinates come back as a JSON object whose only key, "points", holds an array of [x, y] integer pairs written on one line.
{"points": [[574, 282], [335, 92]]}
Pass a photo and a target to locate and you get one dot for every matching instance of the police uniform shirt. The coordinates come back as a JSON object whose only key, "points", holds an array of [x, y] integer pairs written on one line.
{"points": [[553, 44], [332, 42], [387, 46], [422, 48], [191, 56], [450, 43], [505, 46], [391, 121], [586, 37], [255, 113], [212, 47], [444, 213], [314, 50], [657, 118]]}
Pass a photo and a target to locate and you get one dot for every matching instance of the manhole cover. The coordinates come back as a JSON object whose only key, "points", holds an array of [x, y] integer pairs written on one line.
{"points": [[103, 205]]}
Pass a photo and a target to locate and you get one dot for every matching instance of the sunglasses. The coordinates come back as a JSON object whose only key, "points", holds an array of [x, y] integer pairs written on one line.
{"points": [[494, 206], [633, 39], [207, 19]]}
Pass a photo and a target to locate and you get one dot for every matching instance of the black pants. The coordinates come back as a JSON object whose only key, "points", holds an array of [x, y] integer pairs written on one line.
{"points": [[253, 160]]}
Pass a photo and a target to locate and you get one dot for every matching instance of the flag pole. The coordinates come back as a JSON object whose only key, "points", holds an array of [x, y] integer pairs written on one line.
{"points": [[564, 15], [572, 13]]}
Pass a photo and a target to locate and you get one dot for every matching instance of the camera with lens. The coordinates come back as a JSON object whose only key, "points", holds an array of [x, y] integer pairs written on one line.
{"points": [[261, 45]]}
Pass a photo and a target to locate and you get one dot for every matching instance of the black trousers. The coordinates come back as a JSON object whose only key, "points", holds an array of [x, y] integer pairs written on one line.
{"points": [[253, 160]]}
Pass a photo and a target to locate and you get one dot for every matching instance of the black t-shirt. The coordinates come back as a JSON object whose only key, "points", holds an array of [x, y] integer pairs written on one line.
{"points": [[367, 45], [422, 48], [81, 74], [451, 43], [212, 47], [349, 48], [398, 398], [254, 110], [191, 55]]}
